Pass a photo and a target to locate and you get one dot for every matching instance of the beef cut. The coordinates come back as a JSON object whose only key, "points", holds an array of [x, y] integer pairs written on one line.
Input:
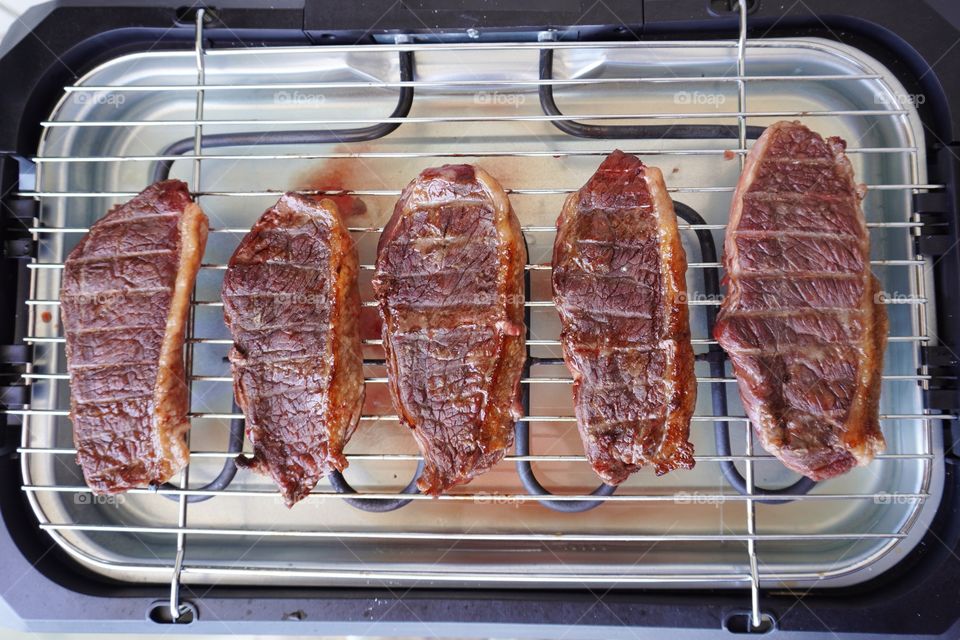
{"points": [[291, 302], [124, 303], [619, 285], [449, 282], [801, 321]]}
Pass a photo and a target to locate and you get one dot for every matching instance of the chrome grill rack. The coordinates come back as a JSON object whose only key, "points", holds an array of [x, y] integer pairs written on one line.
{"points": [[609, 549]]}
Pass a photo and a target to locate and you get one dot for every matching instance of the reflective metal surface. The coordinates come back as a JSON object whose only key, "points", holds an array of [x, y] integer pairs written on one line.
{"points": [[478, 103]]}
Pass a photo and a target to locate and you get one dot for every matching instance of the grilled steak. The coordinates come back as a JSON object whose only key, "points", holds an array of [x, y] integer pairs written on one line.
{"points": [[291, 302], [619, 285], [801, 322], [124, 302], [449, 282]]}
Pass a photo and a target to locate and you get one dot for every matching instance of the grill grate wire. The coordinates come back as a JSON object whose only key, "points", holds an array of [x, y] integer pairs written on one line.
{"points": [[379, 501]]}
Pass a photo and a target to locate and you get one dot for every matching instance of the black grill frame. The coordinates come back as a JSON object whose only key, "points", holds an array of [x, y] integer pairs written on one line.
{"points": [[919, 597]]}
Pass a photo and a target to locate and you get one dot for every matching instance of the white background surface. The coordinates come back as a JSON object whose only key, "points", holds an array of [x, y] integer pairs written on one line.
{"points": [[10, 11]]}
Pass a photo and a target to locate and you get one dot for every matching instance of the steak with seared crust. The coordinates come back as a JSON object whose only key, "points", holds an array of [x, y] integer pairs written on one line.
{"points": [[801, 321], [449, 281], [124, 303], [291, 302], [619, 285]]}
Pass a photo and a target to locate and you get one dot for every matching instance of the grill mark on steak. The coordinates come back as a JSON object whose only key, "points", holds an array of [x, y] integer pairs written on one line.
{"points": [[449, 282], [801, 321], [812, 235], [129, 254], [121, 273], [619, 285], [773, 292], [292, 304], [797, 255], [124, 303]]}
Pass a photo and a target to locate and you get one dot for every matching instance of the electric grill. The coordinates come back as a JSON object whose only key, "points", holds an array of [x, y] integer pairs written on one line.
{"points": [[352, 102]]}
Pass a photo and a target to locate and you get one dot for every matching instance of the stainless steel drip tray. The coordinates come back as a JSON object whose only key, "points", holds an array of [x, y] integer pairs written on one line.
{"points": [[479, 103]]}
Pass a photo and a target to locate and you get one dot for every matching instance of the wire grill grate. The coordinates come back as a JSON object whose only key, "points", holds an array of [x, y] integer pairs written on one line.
{"points": [[67, 180]]}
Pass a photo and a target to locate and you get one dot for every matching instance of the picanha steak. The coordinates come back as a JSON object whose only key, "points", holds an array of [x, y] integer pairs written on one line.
{"points": [[291, 302], [801, 321], [124, 303], [619, 285], [449, 282]]}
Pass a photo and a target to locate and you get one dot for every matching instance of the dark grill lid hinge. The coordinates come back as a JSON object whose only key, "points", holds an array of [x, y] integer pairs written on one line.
{"points": [[937, 210], [942, 365], [14, 393], [939, 241], [943, 393], [17, 247], [18, 215], [936, 235]]}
